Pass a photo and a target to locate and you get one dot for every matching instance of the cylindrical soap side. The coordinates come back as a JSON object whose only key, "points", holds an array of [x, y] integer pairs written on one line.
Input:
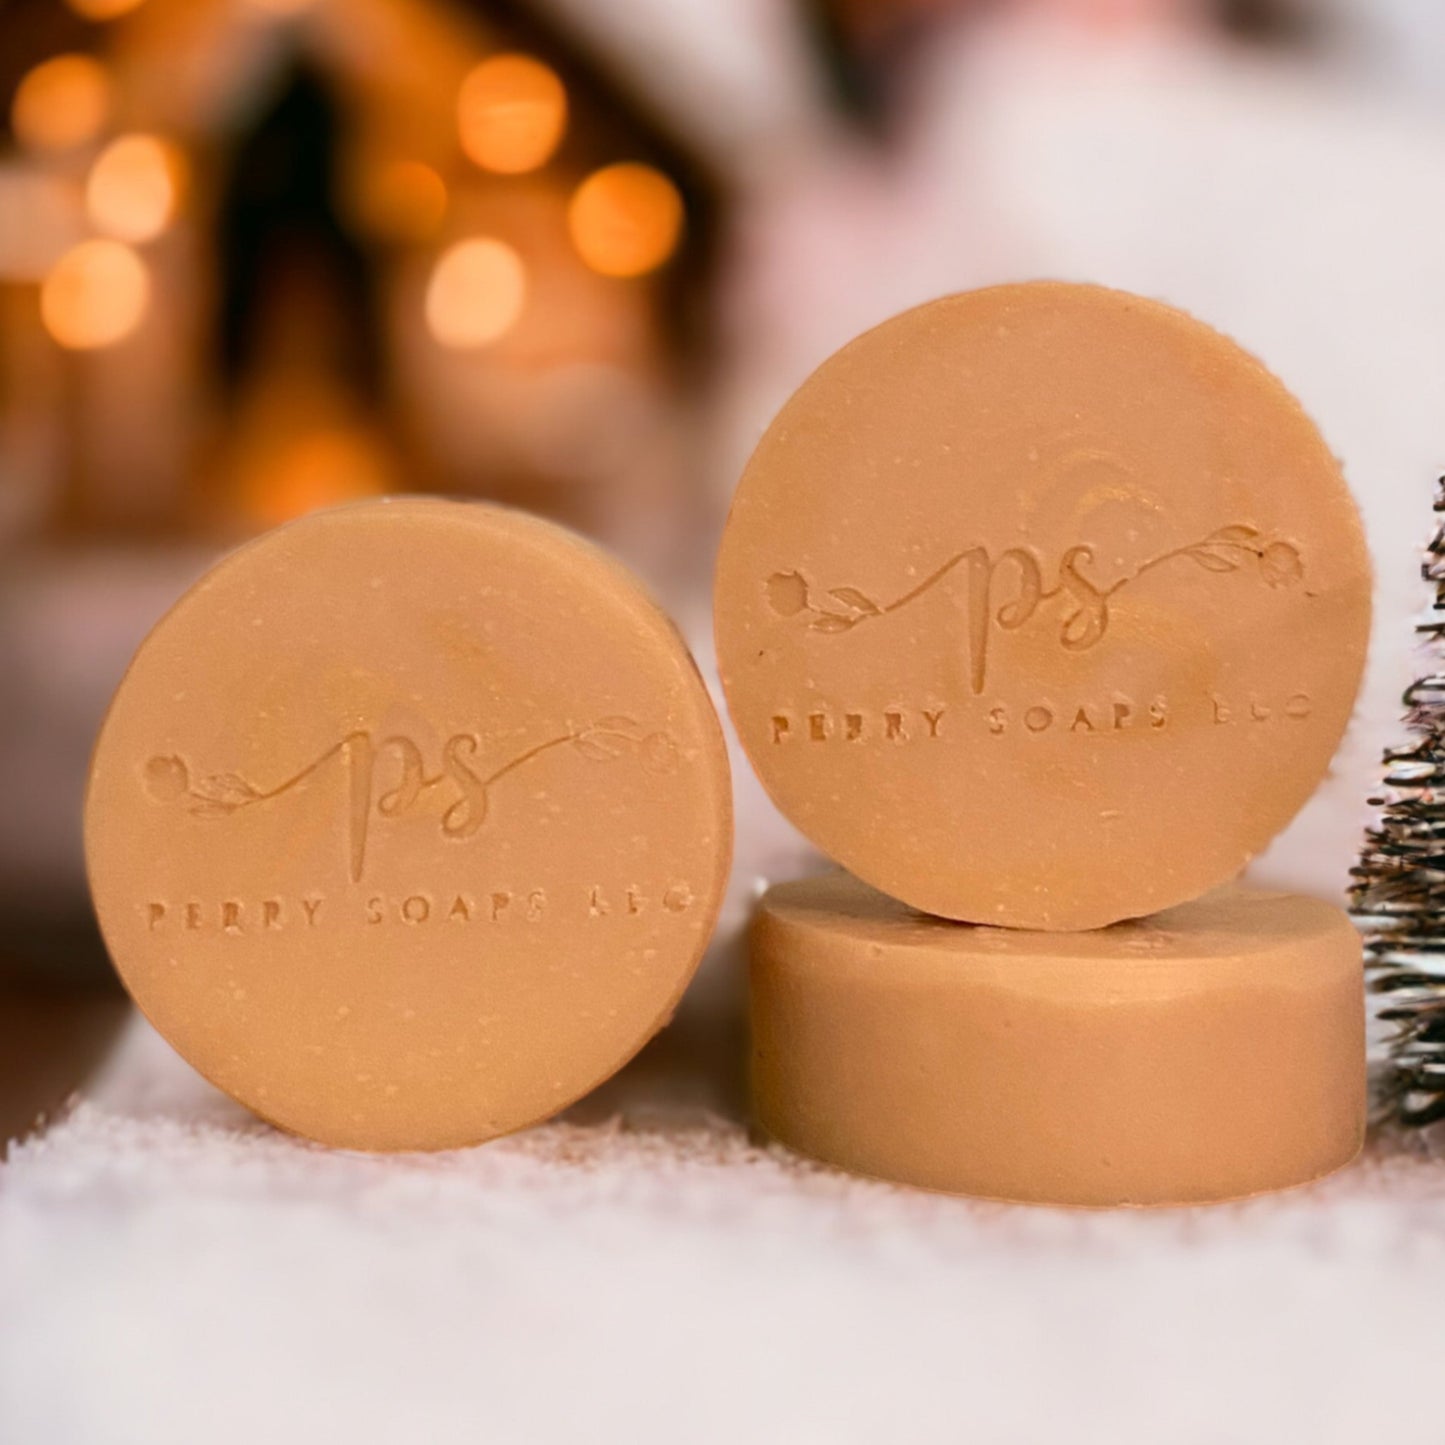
{"points": [[1213, 1051]]}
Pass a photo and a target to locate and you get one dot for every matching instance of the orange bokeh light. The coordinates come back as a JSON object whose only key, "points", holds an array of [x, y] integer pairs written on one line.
{"points": [[95, 295], [318, 469], [283, 8], [476, 293], [61, 104], [401, 200], [626, 219], [134, 187], [511, 113], [102, 9]]}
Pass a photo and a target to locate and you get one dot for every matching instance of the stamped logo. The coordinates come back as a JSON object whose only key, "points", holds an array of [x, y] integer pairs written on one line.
{"points": [[461, 785], [1044, 716], [1084, 599]]}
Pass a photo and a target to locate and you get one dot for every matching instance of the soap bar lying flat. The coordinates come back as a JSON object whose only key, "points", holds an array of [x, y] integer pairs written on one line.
{"points": [[1213, 1051], [410, 823], [1042, 606]]}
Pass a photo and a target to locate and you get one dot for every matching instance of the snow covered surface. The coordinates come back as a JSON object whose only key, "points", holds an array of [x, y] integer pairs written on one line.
{"points": [[174, 1272]]}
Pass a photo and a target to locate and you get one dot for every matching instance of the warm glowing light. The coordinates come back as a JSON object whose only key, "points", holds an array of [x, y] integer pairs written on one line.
{"points": [[476, 293], [40, 220], [511, 113], [625, 219], [102, 9], [61, 104], [319, 469], [283, 7], [134, 187], [401, 200], [95, 295]]}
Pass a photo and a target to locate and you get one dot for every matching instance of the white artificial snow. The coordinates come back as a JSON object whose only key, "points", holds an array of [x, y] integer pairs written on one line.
{"points": [[172, 1272]]}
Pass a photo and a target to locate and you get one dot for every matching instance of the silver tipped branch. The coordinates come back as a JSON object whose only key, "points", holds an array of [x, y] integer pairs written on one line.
{"points": [[1397, 895]]}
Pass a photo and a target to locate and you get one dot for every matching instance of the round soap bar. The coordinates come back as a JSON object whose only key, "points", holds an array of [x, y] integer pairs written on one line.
{"points": [[410, 823], [1042, 606], [1212, 1051]]}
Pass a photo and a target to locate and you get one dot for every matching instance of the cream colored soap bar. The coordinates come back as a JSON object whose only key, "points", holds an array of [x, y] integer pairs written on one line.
{"points": [[1042, 606], [410, 823], [1213, 1051]]}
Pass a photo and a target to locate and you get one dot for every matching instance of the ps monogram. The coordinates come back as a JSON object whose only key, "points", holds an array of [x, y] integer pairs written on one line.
{"points": [[463, 787], [987, 608]]}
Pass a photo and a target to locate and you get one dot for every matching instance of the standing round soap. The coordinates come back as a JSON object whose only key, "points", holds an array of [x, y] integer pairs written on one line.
{"points": [[410, 823], [1042, 606]]}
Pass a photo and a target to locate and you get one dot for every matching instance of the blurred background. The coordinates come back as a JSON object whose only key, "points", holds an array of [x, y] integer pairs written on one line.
{"points": [[259, 256]]}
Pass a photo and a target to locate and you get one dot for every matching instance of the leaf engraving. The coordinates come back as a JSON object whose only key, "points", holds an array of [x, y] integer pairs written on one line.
{"points": [[1280, 564], [227, 791], [858, 601], [207, 809], [602, 744], [1210, 560]]}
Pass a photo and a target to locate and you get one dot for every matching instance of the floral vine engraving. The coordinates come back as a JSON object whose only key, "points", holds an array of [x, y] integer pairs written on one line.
{"points": [[841, 609], [170, 779]]}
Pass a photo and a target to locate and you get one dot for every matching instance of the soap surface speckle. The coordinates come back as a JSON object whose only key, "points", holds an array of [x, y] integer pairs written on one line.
{"points": [[409, 823], [1043, 606]]}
